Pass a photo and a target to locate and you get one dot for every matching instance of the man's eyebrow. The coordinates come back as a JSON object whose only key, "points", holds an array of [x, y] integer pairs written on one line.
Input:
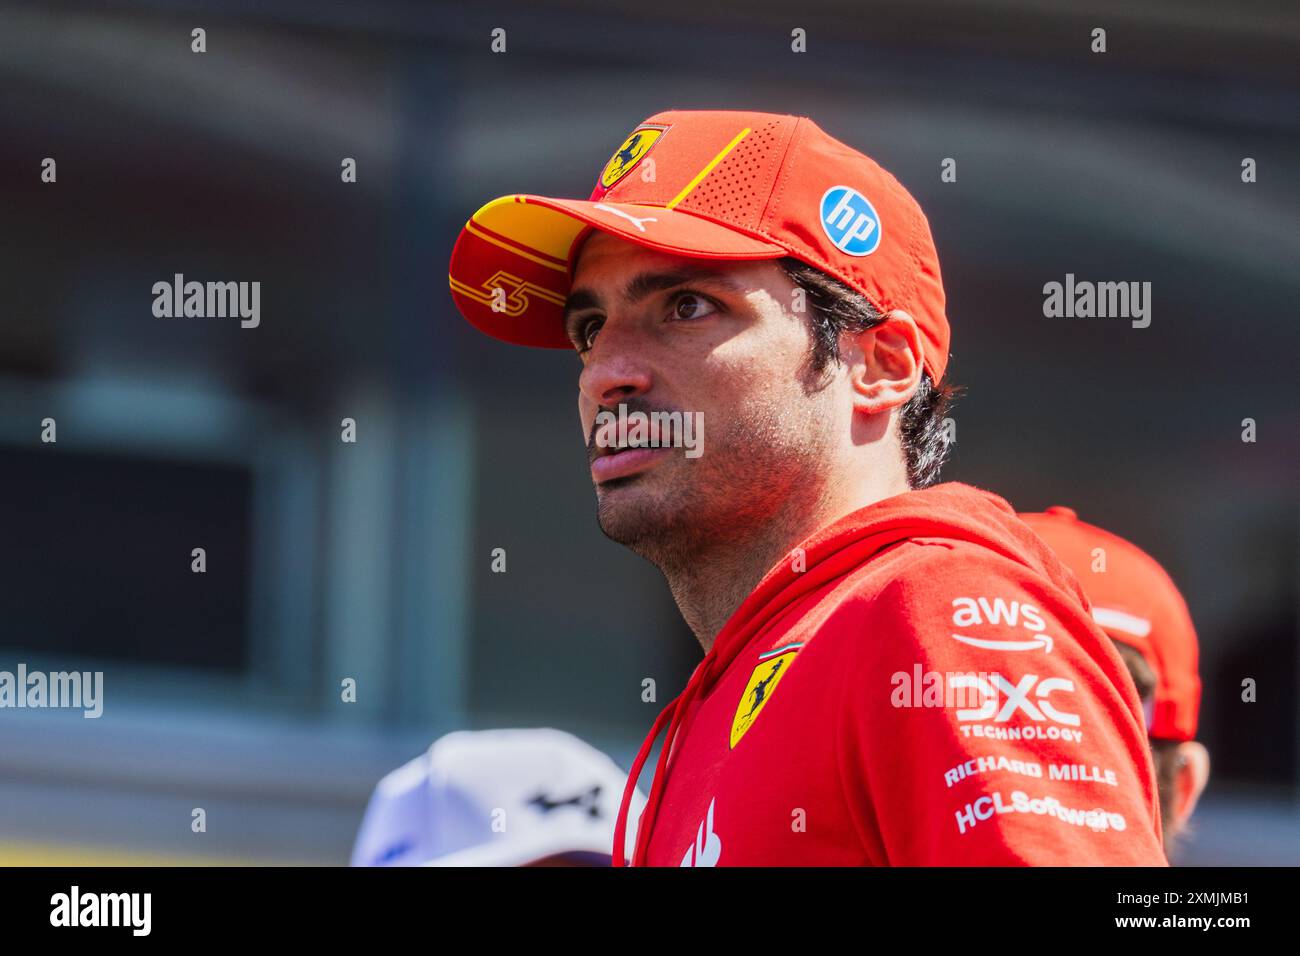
{"points": [[642, 285], [638, 287]]}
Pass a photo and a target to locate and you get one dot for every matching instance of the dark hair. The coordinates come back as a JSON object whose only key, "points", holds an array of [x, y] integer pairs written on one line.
{"points": [[834, 309], [1164, 753]]}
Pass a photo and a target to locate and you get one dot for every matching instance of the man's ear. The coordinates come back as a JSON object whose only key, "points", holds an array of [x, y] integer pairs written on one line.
{"points": [[1192, 775], [885, 363]]}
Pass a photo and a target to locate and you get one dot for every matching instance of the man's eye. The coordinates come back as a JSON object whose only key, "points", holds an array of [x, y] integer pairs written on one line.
{"points": [[587, 334], [689, 305]]}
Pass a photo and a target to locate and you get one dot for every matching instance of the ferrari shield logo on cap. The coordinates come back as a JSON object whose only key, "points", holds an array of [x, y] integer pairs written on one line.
{"points": [[636, 145], [772, 666]]}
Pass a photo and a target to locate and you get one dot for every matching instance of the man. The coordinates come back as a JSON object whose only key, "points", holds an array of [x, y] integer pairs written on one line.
{"points": [[934, 691], [1138, 605]]}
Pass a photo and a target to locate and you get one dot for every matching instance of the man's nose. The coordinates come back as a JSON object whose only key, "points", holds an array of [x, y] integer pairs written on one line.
{"points": [[615, 370]]}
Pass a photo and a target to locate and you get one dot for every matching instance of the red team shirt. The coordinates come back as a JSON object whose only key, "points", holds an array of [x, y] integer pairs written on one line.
{"points": [[918, 684]]}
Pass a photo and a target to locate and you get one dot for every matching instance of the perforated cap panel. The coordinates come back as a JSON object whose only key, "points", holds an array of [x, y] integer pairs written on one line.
{"points": [[737, 189]]}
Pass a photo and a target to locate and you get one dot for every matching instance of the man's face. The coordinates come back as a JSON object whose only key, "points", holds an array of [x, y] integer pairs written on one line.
{"points": [[663, 333]]}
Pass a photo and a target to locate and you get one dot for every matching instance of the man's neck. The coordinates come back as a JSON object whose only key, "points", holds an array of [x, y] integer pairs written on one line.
{"points": [[708, 591], [713, 584]]}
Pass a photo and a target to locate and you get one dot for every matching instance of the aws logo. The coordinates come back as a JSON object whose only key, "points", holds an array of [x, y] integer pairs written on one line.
{"points": [[772, 666], [634, 148], [970, 612]]}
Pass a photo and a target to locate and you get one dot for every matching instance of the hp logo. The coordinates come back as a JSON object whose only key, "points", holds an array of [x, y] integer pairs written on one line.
{"points": [[850, 221]]}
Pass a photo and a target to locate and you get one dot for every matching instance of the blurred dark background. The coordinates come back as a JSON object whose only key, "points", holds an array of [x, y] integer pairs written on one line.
{"points": [[372, 560]]}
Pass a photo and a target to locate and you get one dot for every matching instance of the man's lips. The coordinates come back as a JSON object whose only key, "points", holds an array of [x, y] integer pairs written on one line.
{"points": [[613, 454], [613, 463], [606, 439]]}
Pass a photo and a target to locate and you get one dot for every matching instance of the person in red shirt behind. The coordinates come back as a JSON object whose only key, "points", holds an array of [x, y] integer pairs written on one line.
{"points": [[896, 672], [1137, 604]]}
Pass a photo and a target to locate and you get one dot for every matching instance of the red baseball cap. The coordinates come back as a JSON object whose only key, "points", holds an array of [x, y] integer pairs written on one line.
{"points": [[710, 184], [1136, 603]]}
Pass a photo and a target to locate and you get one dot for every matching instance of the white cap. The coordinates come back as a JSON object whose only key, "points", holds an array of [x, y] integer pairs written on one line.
{"points": [[496, 798]]}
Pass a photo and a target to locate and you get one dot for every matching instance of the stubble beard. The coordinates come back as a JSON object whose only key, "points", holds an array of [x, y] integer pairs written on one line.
{"points": [[745, 491]]}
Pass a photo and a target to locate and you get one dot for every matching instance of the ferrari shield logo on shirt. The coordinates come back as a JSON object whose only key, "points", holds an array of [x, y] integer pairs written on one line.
{"points": [[772, 666], [636, 145]]}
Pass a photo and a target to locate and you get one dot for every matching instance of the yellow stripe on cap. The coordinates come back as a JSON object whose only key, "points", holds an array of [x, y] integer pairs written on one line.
{"points": [[708, 169], [519, 290], [517, 249], [537, 233]]}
